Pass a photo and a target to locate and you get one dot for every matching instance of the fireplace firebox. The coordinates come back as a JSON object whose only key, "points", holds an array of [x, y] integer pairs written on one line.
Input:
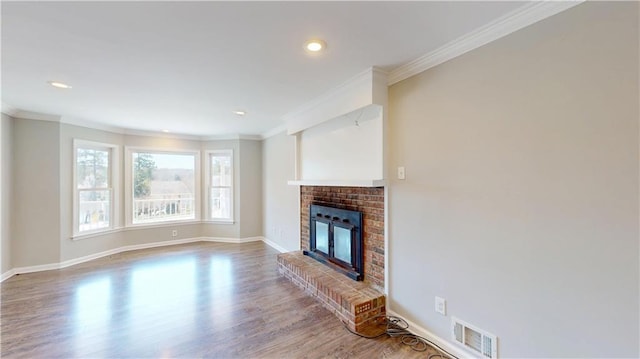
{"points": [[336, 239]]}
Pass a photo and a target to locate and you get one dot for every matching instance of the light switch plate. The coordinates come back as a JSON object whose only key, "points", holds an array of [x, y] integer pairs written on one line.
{"points": [[441, 306], [401, 174]]}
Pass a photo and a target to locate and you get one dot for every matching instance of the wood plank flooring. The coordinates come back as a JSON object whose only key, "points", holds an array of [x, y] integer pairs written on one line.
{"points": [[214, 300]]}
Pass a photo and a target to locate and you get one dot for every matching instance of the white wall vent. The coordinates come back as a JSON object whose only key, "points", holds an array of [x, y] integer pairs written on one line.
{"points": [[474, 339]]}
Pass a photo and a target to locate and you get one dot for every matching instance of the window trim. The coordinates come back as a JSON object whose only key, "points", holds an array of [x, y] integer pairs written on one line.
{"points": [[128, 184], [207, 210], [114, 188]]}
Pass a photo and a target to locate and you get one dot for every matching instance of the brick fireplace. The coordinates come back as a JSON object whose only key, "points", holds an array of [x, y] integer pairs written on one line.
{"points": [[355, 303], [369, 201]]}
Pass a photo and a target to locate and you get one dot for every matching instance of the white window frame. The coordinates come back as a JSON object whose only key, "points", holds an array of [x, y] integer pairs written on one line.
{"points": [[128, 185], [207, 218], [114, 175]]}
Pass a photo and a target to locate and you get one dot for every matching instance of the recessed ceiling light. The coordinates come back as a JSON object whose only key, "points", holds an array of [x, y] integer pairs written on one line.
{"points": [[240, 113], [59, 85], [165, 131], [315, 45]]}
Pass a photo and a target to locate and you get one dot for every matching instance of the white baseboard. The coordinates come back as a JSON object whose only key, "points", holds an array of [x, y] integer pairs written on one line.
{"points": [[38, 268], [8, 274], [133, 247], [231, 240], [44, 267], [274, 245], [444, 344]]}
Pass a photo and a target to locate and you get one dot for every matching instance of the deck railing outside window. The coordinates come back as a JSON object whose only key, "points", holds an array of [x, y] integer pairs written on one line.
{"points": [[162, 208], [148, 210]]}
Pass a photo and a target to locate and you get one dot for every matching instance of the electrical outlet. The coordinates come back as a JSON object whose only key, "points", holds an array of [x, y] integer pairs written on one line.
{"points": [[441, 306], [174, 233], [401, 174]]}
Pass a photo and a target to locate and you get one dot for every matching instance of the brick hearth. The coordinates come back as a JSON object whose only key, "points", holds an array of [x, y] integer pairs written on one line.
{"points": [[355, 303]]}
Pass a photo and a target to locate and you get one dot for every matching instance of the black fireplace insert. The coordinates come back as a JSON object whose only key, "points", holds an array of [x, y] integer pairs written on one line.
{"points": [[336, 239]]}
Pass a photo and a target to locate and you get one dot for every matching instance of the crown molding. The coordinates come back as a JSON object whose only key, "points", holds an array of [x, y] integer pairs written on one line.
{"points": [[327, 96], [28, 115], [522, 17], [231, 137], [355, 93], [274, 131], [92, 125], [9, 110], [250, 137], [72, 121], [144, 133]]}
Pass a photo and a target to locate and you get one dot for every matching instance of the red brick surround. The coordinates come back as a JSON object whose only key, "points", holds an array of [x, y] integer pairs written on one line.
{"points": [[369, 201], [356, 304]]}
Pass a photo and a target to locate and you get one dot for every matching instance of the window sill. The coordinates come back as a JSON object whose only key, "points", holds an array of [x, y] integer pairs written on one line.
{"points": [[218, 221]]}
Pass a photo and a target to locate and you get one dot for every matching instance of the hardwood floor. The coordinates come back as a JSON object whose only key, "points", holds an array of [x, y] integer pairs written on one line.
{"points": [[213, 300]]}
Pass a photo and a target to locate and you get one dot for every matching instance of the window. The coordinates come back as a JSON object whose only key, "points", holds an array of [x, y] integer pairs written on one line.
{"points": [[163, 186], [93, 187], [220, 180]]}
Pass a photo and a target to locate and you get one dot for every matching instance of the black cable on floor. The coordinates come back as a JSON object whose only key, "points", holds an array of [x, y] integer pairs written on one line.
{"points": [[398, 327]]}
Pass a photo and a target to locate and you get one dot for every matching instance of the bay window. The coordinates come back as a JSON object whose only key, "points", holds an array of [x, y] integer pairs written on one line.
{"points": [[162, 186], [220, 185], [93, 186]]}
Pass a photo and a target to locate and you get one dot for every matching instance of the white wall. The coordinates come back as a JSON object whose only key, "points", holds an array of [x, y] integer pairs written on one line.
{"points": [[250, 195], [2, 238], [35, 213], [520, 206], [71, 249], [281, 218], [38, 158], [6, 128], [345, 148]]}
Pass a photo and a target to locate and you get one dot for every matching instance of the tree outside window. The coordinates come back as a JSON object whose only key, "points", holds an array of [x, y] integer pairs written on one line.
{"points": [[93, 186], [163, 186]]}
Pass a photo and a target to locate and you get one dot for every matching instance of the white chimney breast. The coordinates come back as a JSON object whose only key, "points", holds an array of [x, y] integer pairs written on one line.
{"points": [[347, 149]]}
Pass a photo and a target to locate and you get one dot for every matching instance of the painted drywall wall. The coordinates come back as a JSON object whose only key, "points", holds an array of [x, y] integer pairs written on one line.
{"points": [[520, 204], [345, 148], [145, 235], [6, 129], [48, 189], [2, 170], [70, 248], [250, 190], [281, 218], [35, 216]]}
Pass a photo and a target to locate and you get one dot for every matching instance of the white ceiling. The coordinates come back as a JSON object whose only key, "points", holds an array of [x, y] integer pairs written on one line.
{"points": [[185, 66]]}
